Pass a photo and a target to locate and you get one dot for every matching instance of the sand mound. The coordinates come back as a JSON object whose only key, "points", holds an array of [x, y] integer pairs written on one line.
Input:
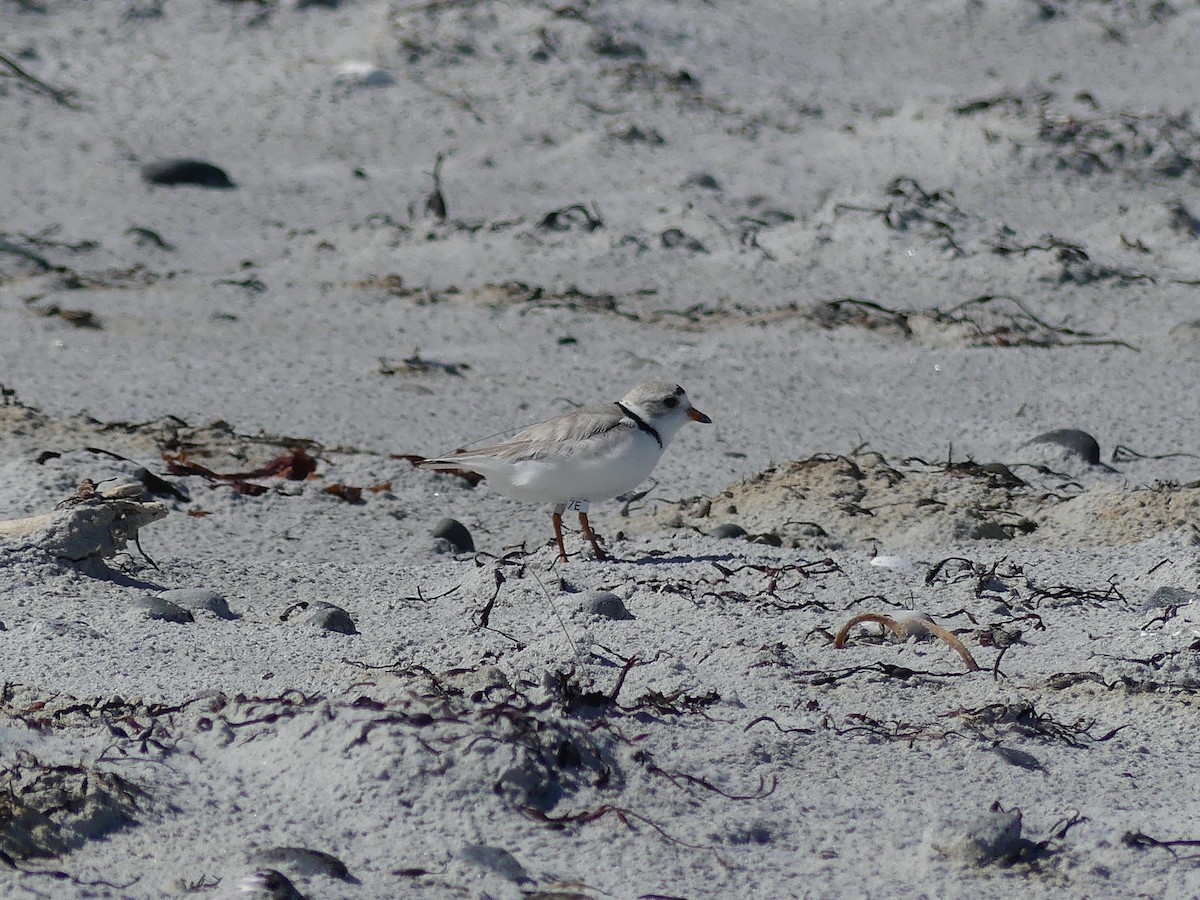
{"points": [[836, 500]]}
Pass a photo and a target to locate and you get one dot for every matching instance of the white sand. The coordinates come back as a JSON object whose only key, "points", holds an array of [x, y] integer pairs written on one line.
{"points": [[786, 207]]}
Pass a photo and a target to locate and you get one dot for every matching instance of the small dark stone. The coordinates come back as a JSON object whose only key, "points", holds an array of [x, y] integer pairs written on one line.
{"points": [[331, 618], [321, 615], [1073, 441], [702, 180], [456, 533], [186, 171], [607, 605], [163, 610], [728, 530], [607, 44]]}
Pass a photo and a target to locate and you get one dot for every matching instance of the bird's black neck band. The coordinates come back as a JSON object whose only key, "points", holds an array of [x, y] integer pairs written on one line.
{"points": [[641, 423]]}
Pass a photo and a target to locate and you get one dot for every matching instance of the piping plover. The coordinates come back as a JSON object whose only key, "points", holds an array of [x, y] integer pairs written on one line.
{"points": [[592, 453]]}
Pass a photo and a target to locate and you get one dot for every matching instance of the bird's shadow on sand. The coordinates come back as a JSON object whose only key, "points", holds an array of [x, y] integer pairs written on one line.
{"points": [[101, 571]]}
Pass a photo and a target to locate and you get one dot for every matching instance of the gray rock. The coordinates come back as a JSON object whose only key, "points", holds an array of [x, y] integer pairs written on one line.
{"points": [[320, 614], [164, 610], [495, 859], [199, 599], [1076, 442], [331, 618], [456, 533], [728, 530], [186, 171], [607, 605]]}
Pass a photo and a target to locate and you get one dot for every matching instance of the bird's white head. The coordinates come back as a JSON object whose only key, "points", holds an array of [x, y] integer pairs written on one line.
{"points": [[663, 406]]}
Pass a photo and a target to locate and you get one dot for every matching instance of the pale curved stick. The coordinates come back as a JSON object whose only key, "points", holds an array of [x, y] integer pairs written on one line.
{"points": [[952, 639], [904, 630], [899, 630]]}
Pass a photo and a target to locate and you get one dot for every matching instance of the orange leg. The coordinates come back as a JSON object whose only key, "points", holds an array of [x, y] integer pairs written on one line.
{"points": [[562, 551], [591, 536]]}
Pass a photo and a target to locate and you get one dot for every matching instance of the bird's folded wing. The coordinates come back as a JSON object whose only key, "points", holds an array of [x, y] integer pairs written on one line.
{"points": [[559, 437]]}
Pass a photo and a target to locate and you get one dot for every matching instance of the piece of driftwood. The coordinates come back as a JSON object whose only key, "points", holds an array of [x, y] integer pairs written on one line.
{"points": [[910, 627], [92, 524]]}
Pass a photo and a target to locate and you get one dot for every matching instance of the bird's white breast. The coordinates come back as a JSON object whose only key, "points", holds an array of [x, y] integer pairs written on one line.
{"points": [[602, 467]]}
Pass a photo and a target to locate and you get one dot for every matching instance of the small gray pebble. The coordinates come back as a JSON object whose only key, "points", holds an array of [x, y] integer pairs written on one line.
{"points": [[1169, 596], [199, 599], [330, 617], [497, 859], [728, 530], [979, 838], [606, 604], [164, 610], [186, 171], [1080, 443], [456, 533], [702, 180]]}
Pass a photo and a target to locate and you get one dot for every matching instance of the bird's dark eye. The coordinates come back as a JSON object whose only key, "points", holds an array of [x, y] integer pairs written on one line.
{"points": [[671, 402]]}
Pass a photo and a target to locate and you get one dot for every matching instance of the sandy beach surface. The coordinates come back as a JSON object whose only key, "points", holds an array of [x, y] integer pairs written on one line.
{"points": [[918, 615]]}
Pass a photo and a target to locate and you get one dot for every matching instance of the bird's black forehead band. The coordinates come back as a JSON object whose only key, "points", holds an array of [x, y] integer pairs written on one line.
{"points": [[678, 390]]}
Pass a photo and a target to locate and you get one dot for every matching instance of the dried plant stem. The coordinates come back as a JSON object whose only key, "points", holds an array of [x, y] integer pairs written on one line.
{"points": [[904, 630]]}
